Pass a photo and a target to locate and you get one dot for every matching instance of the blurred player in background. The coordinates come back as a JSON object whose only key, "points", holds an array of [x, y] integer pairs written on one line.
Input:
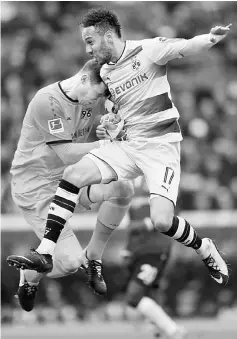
{"points": [[54, 133], [135, 73], [146, 256]]}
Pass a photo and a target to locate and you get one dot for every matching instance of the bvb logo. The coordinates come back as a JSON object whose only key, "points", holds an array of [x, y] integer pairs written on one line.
{"points": [[135, 63]]}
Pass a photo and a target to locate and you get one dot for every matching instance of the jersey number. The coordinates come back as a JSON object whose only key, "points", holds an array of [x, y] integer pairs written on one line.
{"points": [[148, 274], [86, 114]]}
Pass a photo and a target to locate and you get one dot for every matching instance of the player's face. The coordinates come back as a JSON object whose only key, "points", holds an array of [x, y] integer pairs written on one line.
{"points": [[96, 45], [90, 93]]}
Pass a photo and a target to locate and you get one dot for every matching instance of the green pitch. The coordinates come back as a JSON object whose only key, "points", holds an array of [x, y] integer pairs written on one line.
{"points": [[198, 329]]}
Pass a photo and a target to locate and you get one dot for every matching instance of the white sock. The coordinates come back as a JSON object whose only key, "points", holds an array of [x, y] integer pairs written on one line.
{"points": [[46, 246], [204, 251], [110, 215], [151, 310]]}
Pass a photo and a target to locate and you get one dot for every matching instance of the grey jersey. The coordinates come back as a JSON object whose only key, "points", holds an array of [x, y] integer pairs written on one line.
{"points": [[52, 117]]}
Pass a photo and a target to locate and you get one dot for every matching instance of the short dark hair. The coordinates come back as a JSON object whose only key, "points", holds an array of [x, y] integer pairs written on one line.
{"points": [[93, 68], [103, 19]]}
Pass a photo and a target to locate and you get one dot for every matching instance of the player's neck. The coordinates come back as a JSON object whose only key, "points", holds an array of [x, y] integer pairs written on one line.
{"points": [[119, 46], [69, 85]]}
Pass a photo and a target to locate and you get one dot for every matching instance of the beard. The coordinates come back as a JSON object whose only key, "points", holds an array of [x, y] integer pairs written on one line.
{"points": [[105, 54]]}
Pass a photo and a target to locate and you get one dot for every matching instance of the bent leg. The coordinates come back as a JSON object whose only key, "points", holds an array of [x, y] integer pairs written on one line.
{"points": [[179, 229], [162, 216], [66, 256], [86, 172], [90, 170], [67, 251], [115, 199], [163, 182], [66, 259], [75, 177]]}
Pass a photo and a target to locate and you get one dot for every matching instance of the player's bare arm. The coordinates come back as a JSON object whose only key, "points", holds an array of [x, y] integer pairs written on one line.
{"points": [[73, 152]]}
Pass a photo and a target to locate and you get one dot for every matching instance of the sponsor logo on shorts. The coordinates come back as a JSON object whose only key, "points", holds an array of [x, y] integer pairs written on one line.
{"points": [[55, 126]]}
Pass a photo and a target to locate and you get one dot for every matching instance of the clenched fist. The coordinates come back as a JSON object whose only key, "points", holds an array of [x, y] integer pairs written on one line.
{"points": [[101, 133], [110, 121]]}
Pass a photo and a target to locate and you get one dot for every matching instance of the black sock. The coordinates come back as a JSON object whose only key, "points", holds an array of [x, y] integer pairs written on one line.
{"points": [[61, 209], [184, 233]]}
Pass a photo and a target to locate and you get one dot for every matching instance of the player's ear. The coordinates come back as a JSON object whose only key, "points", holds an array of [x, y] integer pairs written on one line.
{"points": [[84, 78], [109, 35]]}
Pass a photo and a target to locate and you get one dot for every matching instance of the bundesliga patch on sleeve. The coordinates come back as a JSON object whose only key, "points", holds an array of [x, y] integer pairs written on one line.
{"points": [[55, 126]]}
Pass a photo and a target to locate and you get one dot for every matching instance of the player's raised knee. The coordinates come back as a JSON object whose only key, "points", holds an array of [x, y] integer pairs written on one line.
{"points": [[69, 173], [82, 173], [69, 263], [123, 190], [162, 222], [75, 175]]}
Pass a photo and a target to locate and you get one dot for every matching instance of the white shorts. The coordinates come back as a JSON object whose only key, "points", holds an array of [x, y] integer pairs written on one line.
{"points": [[158, 162], [35, 212]]}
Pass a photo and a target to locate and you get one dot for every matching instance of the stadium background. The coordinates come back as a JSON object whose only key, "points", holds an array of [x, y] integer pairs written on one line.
{"points": [[41, 44]]}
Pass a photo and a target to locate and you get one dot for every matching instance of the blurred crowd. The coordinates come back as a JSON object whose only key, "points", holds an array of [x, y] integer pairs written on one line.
{"points": [[41, 44]]}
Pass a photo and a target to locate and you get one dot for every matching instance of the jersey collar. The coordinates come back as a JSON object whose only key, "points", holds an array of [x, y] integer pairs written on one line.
{"points": [[72, 100], [121, 56]]}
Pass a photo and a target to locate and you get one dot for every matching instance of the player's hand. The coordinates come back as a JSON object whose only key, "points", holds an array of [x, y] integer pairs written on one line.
{"points": [[220, 30], [110, 121], [102, 133]]}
